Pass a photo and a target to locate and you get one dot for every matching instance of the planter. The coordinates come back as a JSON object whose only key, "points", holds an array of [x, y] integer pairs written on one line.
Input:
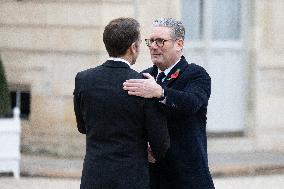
{"points": [[10, 131]]}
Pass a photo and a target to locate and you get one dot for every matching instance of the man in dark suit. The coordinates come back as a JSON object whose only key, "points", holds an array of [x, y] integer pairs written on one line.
{"points": [[117, 126], [183, 91]]}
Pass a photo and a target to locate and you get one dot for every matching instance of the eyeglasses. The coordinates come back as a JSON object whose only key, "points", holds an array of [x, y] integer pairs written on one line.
{"points": [[159, 42]]}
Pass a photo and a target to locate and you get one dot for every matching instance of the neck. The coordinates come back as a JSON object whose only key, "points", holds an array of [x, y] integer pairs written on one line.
{"points": [[163, 68], [127, 58]]}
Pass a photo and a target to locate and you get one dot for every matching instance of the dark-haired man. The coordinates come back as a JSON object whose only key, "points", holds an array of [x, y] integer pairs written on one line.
{"points": [[117, 126]]}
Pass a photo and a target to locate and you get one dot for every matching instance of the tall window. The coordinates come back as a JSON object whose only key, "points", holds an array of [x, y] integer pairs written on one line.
{"points": [[192, 15], [221, 19], [226, 19], [21, 99], [217, 40]]}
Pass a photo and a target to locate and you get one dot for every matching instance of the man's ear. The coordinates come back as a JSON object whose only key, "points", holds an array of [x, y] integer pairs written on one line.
{"points": [[133, 48], [179, 44]]}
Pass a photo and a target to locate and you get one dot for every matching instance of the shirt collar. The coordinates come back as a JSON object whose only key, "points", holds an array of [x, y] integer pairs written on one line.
{"points": [[119, 59], [167, 71]]}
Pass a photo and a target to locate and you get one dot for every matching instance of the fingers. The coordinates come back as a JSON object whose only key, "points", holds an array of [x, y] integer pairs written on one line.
{"points": [[147, 75], [127, 84], [151, 158], [134, 81], [140, 93], [133, 89], [136, 93]]}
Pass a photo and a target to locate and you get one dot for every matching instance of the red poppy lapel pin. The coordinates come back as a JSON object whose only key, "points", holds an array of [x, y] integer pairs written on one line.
{"points": [[174, 75]]}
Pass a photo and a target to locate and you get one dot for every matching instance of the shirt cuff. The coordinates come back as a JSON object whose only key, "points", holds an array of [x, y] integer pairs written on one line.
{"points": [[163, 98]]}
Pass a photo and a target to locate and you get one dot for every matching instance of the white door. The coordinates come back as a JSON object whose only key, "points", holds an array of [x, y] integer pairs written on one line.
{"points": [[215, 40]]}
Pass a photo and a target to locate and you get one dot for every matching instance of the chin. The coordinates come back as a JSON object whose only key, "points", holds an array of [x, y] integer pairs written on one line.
{"points": [[158, 64], [156, 60]]}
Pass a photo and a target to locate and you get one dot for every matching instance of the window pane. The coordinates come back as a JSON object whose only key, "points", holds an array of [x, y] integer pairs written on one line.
{"points": [[192, 11], [13, 99], [226, 16], [25, 104]]}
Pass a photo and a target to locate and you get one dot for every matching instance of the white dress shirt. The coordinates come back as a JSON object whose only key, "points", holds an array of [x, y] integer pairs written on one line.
{"points": [[119, 59], [167, 71]]}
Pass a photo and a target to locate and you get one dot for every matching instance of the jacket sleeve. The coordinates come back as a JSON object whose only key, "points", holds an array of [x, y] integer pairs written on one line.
{"points": [[157, 131], [77, 107], [193, 96]]}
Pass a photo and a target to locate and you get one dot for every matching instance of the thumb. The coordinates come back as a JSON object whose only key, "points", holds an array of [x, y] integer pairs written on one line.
{"points": [[147, 75]]}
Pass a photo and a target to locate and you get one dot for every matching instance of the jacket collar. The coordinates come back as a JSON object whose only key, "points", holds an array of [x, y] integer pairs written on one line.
{"points": [[115, 64], [175, 72]]}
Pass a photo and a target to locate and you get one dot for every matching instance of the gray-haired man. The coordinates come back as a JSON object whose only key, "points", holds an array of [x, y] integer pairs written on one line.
{"points": [[183, 92]]}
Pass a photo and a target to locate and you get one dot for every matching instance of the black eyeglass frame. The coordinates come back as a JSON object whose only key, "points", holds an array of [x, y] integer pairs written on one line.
{"points": [[159, 42]]}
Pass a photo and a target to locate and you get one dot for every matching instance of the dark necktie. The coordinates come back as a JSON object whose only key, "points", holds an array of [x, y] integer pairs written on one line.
{"points": [[160, 78]]}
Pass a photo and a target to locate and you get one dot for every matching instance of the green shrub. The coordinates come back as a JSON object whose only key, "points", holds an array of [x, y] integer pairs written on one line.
{"points": [[4, 93]]}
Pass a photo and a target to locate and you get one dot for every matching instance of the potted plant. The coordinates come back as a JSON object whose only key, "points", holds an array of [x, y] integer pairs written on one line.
{"points": [[9, 130], [4, 93]]}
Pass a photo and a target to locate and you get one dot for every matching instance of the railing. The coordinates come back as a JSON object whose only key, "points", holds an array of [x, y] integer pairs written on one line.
{"points": [[10, 132]]}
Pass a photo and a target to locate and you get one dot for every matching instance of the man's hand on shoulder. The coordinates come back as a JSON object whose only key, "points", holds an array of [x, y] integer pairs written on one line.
{"points": [[147, 88]]}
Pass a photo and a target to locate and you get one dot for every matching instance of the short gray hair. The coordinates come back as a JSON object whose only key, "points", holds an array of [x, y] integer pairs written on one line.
{"points": [[177, 28]]}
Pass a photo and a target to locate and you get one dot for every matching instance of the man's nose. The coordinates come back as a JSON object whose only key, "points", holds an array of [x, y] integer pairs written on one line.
{"points": [[154, 45]]}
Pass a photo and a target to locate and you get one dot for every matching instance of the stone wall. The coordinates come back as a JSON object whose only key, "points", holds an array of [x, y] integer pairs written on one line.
{"points": [[44, 43], [269, 74]]}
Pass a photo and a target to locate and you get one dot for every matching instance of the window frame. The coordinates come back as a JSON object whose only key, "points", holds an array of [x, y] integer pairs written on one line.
{"points": [[207, 42], [19, 89]]}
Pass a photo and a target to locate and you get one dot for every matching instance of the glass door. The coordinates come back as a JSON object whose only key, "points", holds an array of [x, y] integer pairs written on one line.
{"points": [[215, 40]]}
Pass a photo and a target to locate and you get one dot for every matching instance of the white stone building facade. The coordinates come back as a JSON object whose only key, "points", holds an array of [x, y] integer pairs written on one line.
{"points": [[44, 43]]}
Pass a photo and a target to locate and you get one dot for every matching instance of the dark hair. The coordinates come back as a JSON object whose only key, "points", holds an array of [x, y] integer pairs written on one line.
{"points": [[119, 34]]}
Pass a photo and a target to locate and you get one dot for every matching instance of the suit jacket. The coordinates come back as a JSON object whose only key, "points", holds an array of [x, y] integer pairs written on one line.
{"points": [[117, 128], [187, 90]]}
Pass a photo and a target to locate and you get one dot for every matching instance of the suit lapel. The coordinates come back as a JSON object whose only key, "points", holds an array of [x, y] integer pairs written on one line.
{"points": [[153, 71], [175, 72]]}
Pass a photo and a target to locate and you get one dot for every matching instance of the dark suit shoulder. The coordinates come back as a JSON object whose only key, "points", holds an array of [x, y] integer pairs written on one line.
{"points": [[148, 70], [194, 69], [88, 72], [132, 74]]}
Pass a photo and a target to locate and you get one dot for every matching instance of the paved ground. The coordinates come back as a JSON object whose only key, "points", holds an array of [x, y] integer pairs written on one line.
{"points": [[256, 182], [43, 172], [38, 183], [221, 164], [253, 163]]}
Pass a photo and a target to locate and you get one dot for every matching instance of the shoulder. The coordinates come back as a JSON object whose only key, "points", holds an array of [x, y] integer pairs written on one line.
{"points": [[132, 74], [196, 70], [86, 73], [148, 70], [152, 70]]}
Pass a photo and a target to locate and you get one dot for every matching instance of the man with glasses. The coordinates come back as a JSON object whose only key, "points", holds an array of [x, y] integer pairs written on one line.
{"points": [[183, 91], [117, 126]]}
